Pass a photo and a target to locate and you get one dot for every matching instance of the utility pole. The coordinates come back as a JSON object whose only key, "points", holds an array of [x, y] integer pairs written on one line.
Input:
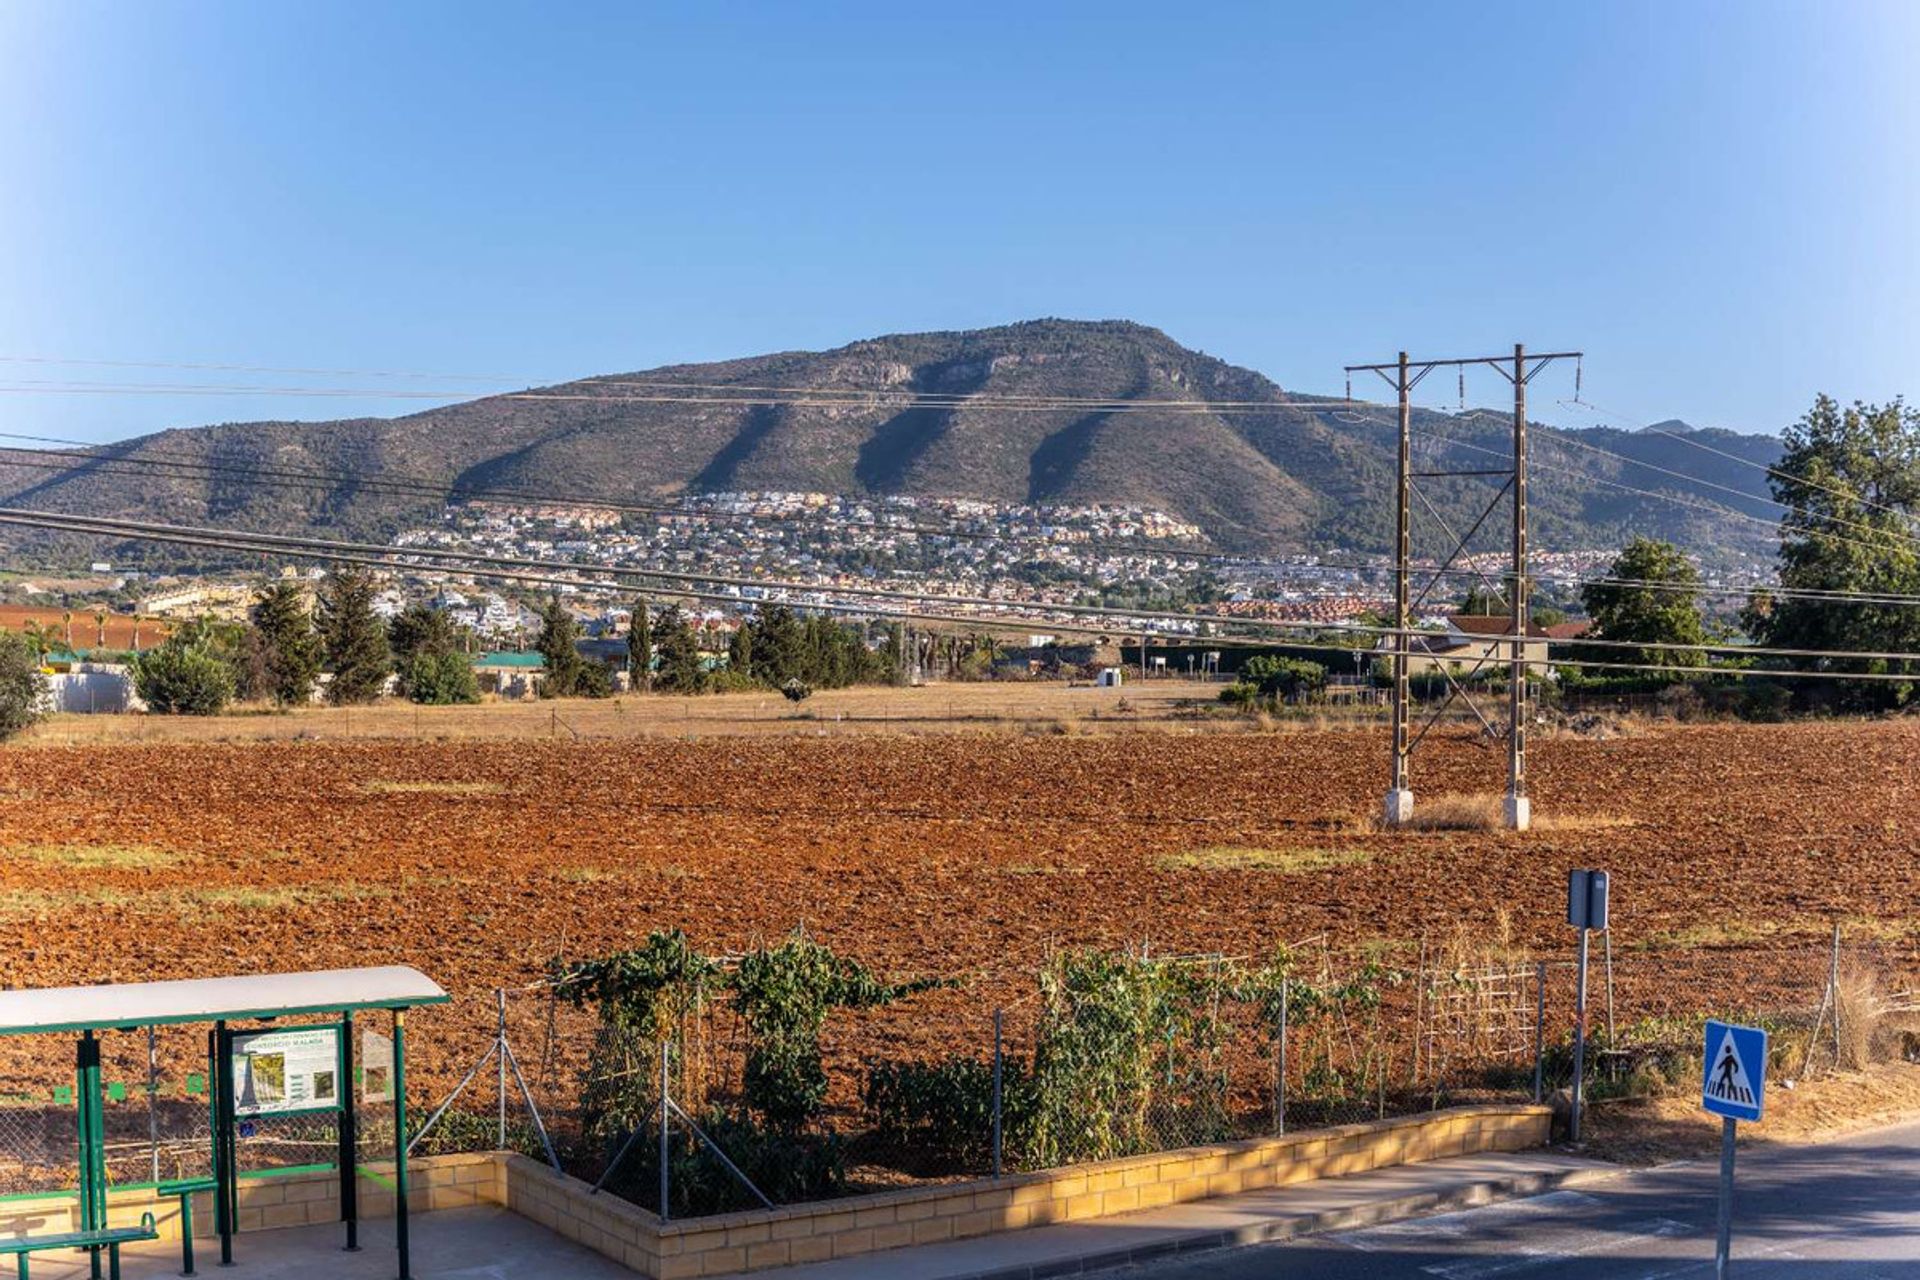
{"points": [[1398, 809], [1404, 375], [1519, 809]]}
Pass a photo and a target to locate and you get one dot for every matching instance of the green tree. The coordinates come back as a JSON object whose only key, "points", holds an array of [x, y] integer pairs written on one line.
{"points": [[428, 647], [559, 648], [23, 689], [681, 667], [1849, 479], [438, 679], [288, 646], [1650, 595], [184, 675], [422, 629], [640, 647], [354, 641], [740, 650]]}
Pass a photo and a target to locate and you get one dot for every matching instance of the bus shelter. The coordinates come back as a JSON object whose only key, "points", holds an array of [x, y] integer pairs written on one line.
{"points": [[257, 1064]]}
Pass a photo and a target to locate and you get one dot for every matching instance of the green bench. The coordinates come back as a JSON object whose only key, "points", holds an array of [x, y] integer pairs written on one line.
{"points": [[110, 1239], [186, 1189]]}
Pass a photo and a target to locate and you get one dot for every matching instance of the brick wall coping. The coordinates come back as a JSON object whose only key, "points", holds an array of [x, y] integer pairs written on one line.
{"points": [[1063, 1173]]}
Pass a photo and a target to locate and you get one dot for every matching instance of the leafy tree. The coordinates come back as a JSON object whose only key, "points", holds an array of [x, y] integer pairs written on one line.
{"points": [[681, 667], [593, 680], [422, 629], [288, 647], [23, 689], [427, 647], [740, 651], [559, 647], [777, 646], [184, 675], [38, 638], [1850, 482], [355, 642], [1650, 595], [439, 679], [783, 994], [640, 647]]}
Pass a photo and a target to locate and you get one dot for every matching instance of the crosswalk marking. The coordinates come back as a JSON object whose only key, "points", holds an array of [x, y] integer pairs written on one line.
{"points": [[1575, 1245]]}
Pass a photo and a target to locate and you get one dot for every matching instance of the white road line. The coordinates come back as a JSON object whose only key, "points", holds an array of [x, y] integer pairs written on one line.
{"points": [[1581, 1245], [1462, 1222]]}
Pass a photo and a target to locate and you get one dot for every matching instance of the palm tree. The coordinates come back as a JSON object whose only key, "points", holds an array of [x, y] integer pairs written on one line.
{"points": [[66, 619], [100, 628]]}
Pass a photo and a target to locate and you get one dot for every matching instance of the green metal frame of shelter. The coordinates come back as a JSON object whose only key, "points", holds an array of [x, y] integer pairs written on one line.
{"points": [[264, 998]]}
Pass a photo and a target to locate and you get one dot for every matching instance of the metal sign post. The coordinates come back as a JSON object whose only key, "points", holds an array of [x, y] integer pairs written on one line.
{"points": [[1586, 910], [1733, 1086]]}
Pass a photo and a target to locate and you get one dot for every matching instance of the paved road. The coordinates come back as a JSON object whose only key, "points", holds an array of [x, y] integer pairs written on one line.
{"points": [[1848, 1210]]}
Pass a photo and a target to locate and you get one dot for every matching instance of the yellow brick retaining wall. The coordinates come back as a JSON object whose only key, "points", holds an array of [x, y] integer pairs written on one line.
{"points": [[291, 1200], [830, 1228], [840, 1228]]}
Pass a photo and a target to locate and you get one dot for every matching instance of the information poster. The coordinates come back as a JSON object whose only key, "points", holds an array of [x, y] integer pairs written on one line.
{"points": [[376, 1067], [275, 1072]]}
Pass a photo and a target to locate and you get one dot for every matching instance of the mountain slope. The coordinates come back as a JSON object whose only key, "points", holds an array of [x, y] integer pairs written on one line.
{"points": [[1258, 472]]}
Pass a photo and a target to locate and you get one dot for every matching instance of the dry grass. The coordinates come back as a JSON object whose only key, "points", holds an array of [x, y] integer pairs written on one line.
{"points": [[1443, 813], [95, 857], [1035, 707], [187, 903], [1713, 933], [436, 788], [1241, 858]]}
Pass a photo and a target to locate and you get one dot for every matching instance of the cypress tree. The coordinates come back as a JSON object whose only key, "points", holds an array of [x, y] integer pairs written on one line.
{"points": [[354, 639], [289, 646], [559, 648], [640, 647]]}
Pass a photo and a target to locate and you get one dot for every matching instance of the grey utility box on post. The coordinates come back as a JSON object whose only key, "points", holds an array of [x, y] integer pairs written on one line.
{"points": [[1587, 899]]}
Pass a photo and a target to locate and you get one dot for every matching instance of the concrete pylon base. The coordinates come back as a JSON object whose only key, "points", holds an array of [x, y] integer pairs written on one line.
{"points": [[1396, 810], [1519, 813]]}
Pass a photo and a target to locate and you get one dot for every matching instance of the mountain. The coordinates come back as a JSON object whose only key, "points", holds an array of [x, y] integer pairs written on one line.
{"points": [[1259, 471]]}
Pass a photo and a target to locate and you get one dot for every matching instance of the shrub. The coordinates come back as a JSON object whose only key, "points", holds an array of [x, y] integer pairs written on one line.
{"points": [[183, 676], [439, 679], [23, 690], [943, 1111], [593, 680]]}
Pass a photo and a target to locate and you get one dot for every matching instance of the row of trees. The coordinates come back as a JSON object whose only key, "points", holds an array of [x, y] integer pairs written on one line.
{"points": [[1848, 482], [280, 653], [776, 649]]}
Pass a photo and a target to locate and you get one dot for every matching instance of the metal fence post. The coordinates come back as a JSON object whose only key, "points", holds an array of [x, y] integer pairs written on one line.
{"points": [[500, 996], [153, 1103], [1539, 1025], [1833, 984], [666, 1110], [1280, 1074], [997, 1094]]}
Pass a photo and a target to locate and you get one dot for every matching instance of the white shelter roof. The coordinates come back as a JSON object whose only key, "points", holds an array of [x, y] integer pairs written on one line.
{"points": [[266, 995]]}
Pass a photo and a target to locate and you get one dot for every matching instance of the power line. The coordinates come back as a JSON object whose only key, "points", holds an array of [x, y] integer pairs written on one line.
{"points": [[1747, 462], [95, 460], [114, 527], [784, 397]]}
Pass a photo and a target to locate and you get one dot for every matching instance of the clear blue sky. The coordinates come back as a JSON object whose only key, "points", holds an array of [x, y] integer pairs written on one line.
{"points": [[1718, 201]]}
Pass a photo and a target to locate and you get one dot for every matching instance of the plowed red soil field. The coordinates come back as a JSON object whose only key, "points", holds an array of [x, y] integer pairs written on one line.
{"points": [[480, 861]]}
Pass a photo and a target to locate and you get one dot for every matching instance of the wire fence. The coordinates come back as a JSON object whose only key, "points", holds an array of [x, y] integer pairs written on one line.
{"points": [[1113, 1054]]}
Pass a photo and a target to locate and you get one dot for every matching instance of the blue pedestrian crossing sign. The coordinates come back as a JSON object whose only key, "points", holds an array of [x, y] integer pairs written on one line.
{"points": [[1734, 1082]]}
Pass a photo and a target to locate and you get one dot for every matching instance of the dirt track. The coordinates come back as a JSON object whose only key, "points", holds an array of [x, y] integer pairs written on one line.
{"points": [[480, 861]]}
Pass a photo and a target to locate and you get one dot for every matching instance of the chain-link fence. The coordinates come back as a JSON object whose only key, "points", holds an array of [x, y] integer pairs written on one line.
{"points": [[156, 1106], [1104, 1054]]}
